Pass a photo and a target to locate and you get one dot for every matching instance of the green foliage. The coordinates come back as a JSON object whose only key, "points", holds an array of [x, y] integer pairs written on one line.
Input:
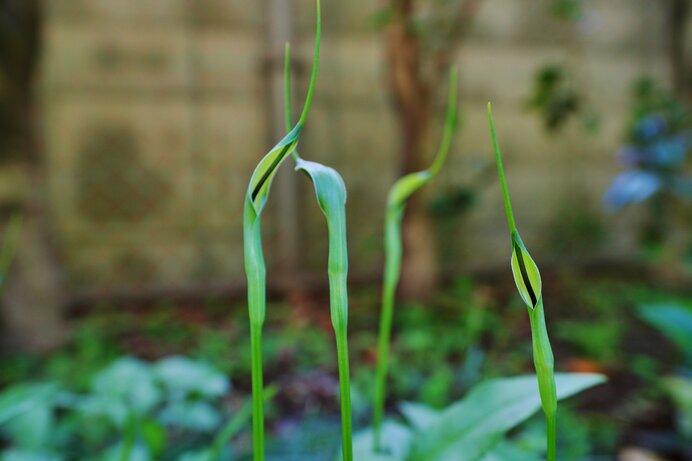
{"points": [[558, 100], [673, 320], [133, 410], [468, 430]]}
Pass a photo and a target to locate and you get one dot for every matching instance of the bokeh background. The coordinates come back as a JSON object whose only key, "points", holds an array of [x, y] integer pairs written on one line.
{"points": [[129, 130]]}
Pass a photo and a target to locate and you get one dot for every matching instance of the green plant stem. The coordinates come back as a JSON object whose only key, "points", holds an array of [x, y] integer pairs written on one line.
{"points": [[392, 270], [501, 173], [338, 299], [256, 277], [257, 394], [315, 66], [542, 352], [396, 203], [551, 429], [345, 395], [328, 188], [545, 372]]}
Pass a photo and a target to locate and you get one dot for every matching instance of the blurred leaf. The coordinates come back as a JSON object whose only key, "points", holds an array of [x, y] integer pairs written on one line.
{"points": [[507, 451], [396, 442], [471, 427], [32, 429], [28, 455], [187, 376], [418, 415], [680, 389], [200, 455], [138, 453], [23, 398], [130, 381], [673, 320], [154, 434], [196, 416]]}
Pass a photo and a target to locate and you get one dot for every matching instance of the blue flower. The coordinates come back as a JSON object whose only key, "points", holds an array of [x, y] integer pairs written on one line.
{"points": [[650, 127], [631, 187]]}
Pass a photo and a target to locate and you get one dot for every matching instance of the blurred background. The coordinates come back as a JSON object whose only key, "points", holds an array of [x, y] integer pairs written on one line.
{"points": [[129, 130]]}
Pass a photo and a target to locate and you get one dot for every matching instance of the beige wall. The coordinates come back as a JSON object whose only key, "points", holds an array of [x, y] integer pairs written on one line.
{"points": [[156, 113]]}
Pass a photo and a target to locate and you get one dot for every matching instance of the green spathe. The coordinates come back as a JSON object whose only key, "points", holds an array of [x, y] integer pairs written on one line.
{"points": [[330, 192], [402, 189], [255, 270], [526, 274], [528, 281]]}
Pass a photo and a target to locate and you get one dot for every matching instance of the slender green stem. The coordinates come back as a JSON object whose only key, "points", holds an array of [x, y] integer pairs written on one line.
{"points": [[399, 193], [531, 293], [450, 124], [545, 371], [392, 270], [129, 436], [287, 91], [551, 426], [345, 394], [338, 299], [256, 277], [501, 173], [315, 65], [257, 393]]}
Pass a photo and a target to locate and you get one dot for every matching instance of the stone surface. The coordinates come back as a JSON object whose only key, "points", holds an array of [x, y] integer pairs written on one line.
{"points": [[157, 112]]}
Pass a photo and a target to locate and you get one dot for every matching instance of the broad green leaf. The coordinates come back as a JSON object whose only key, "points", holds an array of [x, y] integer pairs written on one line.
{"points": [[184, 376], [15, 454], [507, 451], [395, 447], [23, 398], [195, 416], [32, 429], [262, 177], [130, 381], [680, 389], [526, 275], [469, 429], [139, 452], [418, 415], [673, 320]]}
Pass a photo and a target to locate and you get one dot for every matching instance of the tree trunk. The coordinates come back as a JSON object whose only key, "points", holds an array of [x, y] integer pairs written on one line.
{"points": [[32, 299], [679, 55]]}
